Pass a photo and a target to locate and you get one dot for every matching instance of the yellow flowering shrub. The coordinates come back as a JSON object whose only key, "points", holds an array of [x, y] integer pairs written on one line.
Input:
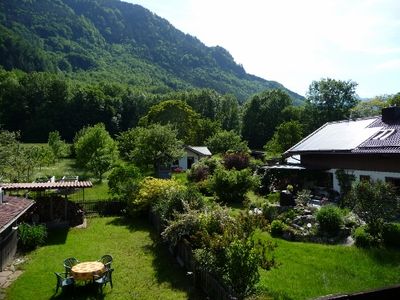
{"points": [[152, 190]]}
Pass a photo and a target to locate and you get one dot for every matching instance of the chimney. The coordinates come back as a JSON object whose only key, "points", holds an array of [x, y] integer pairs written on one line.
{"points": [[391, 114]]}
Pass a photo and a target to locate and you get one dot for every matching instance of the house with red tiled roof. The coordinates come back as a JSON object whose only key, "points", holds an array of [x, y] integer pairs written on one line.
{"points": [[11, 209], [367, 148]]}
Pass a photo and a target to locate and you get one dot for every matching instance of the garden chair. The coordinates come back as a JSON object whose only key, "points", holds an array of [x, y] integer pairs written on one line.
{"points": [[68, 264], [106, 260], [64, 281], [101, 281]]}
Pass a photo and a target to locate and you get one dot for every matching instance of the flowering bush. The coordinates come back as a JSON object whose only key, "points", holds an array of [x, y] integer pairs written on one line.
{"points": [[152, 190]]}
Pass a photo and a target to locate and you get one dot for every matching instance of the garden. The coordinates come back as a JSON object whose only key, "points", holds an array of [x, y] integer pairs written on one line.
{"points": [[240, 230]]}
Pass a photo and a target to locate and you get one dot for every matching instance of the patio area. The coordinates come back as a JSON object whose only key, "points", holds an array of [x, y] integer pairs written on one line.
{"points": [[143, 267]]}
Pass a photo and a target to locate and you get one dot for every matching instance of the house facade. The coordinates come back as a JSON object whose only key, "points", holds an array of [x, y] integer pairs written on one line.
{"points": [[367, 148], [192, 155]]}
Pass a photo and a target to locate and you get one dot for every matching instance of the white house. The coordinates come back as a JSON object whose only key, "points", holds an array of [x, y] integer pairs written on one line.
{"points": [[192, 155], [368, 148]]}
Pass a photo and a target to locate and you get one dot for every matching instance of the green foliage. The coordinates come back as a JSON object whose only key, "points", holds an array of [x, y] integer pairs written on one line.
{"points": [[330, 219], [262, 114], [363, 238], [375, 203], [178, 114], [236, 160], [303, 197], [242, 263], [123, 182], [329, 100], [286, 135], [178, 201], [369, 108], [199, 171], [57, 146], [224, 140], [116, 42], [345, 181], [31, 236], [155, 145], [95, 150], [391, 234], [277, 227], [395, 99], [151, 191], [232, 186]]}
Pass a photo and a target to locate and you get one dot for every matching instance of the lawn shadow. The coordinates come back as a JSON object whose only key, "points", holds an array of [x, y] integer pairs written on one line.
{"points": [[168, 270], [81, 292], [166, 267], [57, 236], [138, 224], [384, 256]]}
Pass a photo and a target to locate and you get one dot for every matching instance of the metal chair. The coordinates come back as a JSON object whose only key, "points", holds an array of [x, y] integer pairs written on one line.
{"points": [[63, 281], [101, 281], [106, 260], [68, 264]]}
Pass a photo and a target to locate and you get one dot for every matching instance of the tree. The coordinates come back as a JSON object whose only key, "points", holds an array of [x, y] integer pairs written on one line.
{"points": [[95, 150], [156, 145], [224, 140], [123, 182], [177, 113], [395, 99], [330, 100], [261, 115], [375, 202], [286, 135], [57, 146], [369, 108]]}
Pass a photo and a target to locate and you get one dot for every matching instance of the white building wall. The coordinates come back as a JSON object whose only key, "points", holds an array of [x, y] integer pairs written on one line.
{"points": [[374, 175], [183, 162]]}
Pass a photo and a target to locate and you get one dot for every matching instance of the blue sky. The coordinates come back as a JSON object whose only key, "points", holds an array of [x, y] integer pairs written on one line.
{"points": [[295, 42]]}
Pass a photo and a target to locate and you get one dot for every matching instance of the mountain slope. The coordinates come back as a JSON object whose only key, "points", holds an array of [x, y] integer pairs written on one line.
{"points": [[103, 40]]}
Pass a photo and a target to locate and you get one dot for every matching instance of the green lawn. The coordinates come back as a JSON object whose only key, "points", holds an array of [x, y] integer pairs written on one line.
{"points": [[143, 268], [310, 270]]}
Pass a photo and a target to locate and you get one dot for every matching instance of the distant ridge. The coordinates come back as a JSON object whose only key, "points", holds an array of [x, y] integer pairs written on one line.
{"points": [[110, 40]]}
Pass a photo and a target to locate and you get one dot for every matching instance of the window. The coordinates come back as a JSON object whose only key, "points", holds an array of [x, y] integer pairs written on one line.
{"points": [[383, 134], [395, 182], [365, 178]]}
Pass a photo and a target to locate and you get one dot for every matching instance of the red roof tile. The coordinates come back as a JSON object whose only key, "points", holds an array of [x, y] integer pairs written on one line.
{"points": [[11, 209], [47, 185]]}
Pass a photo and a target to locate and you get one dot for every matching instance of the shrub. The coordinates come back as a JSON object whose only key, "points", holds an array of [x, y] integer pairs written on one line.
{"points": [[303, 197], [177, 201], [391, 234], [123, 182], [330, 219], [273, 197], [242, 263], [231, 186], [31, 236], [237, 160], [270, 212], [277, 227], [375, 203], [151, 190], [363, 238], [198, 172]]}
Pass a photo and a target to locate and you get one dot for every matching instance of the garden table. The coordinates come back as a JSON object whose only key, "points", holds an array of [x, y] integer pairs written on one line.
{"points": [[86, 270]]}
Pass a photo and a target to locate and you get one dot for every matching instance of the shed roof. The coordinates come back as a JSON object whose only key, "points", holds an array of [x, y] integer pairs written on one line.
{"points": [[201, 150], [47, 185], [11, 209]]}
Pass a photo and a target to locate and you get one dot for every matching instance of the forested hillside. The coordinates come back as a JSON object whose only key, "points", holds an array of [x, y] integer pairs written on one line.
{"points": [[110, 40]]}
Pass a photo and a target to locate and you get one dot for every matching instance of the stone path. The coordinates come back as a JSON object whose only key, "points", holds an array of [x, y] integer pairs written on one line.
{"points": [[8, 275]]}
